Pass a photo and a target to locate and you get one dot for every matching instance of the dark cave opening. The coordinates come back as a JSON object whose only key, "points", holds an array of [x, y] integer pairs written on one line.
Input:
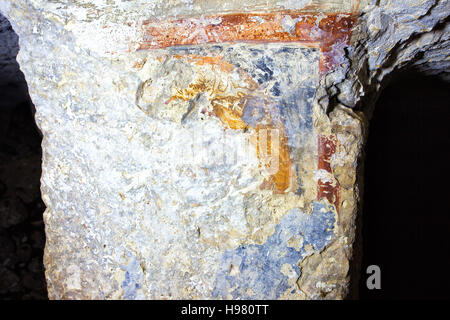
{"points": [[406, 211], [22, 236]]}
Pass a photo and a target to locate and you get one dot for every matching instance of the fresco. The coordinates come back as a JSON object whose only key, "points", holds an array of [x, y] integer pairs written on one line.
{"points": [[256, 74], [266, 88]]}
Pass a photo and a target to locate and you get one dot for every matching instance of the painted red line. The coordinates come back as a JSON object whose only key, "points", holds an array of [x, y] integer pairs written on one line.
{"points": [[327, 147], [330, 32]]}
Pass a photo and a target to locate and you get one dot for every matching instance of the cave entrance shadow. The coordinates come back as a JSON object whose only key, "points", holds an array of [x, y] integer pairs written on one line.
{"points": [[22, 236], [406, 210]]}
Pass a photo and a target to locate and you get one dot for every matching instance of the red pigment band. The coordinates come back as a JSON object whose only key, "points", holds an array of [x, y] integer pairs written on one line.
{"points": [[327, 189], [330, 32]]}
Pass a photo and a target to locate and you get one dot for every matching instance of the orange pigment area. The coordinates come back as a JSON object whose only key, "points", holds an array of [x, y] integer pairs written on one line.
{"points": [[229, 108], [285, 176]]}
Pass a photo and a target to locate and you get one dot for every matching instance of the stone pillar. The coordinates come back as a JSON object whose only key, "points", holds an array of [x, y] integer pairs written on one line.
{"points": [[209, 149]]}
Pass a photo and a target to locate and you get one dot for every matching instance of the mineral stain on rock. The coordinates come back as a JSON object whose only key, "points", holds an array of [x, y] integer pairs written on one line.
{"points": [[133, 279]]}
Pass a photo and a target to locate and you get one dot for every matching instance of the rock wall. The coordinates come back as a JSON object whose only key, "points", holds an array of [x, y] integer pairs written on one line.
{"points": [[207, 149]]}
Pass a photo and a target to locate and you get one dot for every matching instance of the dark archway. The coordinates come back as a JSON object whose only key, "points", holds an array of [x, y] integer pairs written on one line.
{"points": [[406, 211], [22, 236]]}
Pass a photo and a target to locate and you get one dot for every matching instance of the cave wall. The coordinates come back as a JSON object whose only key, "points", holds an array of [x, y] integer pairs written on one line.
{"points": [[208, 149]]}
